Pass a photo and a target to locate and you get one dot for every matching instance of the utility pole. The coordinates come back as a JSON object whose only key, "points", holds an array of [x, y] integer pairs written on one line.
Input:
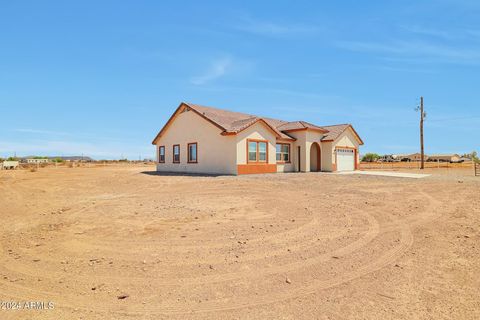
{"points": [[422, 118]]}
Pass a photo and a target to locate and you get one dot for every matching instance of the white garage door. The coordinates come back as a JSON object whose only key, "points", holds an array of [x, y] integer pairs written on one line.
{"points": [[345, 160]]}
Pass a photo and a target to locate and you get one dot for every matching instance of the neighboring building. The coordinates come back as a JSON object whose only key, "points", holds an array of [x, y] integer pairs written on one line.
{"points": [[199, 139], [417, 157], [444, 158], [387, 158], [9, 165], [35, 161], [409, 157]]}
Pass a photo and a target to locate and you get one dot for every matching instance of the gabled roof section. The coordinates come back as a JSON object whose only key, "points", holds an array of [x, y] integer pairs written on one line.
{"points": [[228, 122], [300, 125], [231, 123], [336, 130]]}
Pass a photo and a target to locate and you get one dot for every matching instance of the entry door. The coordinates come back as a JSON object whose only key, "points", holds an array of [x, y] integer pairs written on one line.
{"points": [[345, 160]]}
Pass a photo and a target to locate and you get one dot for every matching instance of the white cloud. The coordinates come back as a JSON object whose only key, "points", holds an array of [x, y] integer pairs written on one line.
{"points": [[267, 28], [417, 49], [218, 69], [37, 131], [430, 31]]}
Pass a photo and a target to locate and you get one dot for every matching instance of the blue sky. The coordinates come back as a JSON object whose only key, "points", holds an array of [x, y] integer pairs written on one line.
{"points": [[102, 77]]}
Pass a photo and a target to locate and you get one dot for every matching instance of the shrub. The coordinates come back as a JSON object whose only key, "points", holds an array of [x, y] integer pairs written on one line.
{"points": [[475, 157], [370, 157]]}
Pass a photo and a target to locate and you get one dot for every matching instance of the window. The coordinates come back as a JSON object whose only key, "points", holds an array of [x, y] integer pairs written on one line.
{"points": [[257, 151], [192, 152], [283, 152], [176, 153], [161, 154], [252, 151], [262, 151]]}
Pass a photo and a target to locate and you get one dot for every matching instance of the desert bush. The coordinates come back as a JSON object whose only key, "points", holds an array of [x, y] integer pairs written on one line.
{"points": [[70, 164], [475, 157], [370, 157], [33, 169]]}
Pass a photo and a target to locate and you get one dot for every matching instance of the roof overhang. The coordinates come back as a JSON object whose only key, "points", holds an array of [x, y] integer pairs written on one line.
{"points": [[360, 141], [306, 129], [258, 120]]}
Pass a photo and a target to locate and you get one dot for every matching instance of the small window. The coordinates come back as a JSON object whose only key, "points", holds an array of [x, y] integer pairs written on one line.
{"points": [[176, 153], [252, 151], [161, 154], [192, 152], [283, 152]]}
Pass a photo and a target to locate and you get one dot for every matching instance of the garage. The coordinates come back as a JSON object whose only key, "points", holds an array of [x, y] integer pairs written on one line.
{"points": [[345, 159]]}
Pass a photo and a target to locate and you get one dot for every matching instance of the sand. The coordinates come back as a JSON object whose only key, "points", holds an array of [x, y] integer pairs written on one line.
{"points": [[120, 242]]}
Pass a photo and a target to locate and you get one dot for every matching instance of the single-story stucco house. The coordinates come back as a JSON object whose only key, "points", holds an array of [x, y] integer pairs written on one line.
{"points": [[199, 139], [444, 158]]}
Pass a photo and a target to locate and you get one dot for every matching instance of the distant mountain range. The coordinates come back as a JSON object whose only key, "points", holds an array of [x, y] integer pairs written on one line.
{"points": [[71, 158]]}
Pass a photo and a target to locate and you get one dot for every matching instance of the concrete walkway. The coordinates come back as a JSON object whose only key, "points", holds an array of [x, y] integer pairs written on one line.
{"points": [[388, 174]]}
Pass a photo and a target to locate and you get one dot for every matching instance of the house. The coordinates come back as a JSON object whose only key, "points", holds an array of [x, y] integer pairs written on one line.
{"points": [[387, 158], [444, 158], [409, 157], [199, 139], [37, 160]]}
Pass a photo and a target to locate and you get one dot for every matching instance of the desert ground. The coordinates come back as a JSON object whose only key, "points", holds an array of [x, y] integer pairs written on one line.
{"points": [[121, 242]]}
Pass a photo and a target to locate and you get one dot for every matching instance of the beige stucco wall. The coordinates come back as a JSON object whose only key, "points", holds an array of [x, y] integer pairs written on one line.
{"points": [[216, 153], [301, 137], [288, 167], [257, 131], [327, 156], [305, 139]]}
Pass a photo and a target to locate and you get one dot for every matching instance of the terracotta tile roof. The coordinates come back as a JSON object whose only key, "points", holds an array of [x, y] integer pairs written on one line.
{"points": [[336, 130], [233, 122], [294, 125], [228, 120]]}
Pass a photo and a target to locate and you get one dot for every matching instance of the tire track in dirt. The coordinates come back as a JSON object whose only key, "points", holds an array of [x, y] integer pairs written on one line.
{"points": [[374, 230]]}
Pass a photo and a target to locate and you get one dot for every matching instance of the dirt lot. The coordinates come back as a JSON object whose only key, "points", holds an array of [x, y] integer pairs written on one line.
{"points": [[291, 246]]}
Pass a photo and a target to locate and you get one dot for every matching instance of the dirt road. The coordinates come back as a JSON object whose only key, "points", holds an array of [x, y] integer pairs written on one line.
{"points": [[123, 243]]}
